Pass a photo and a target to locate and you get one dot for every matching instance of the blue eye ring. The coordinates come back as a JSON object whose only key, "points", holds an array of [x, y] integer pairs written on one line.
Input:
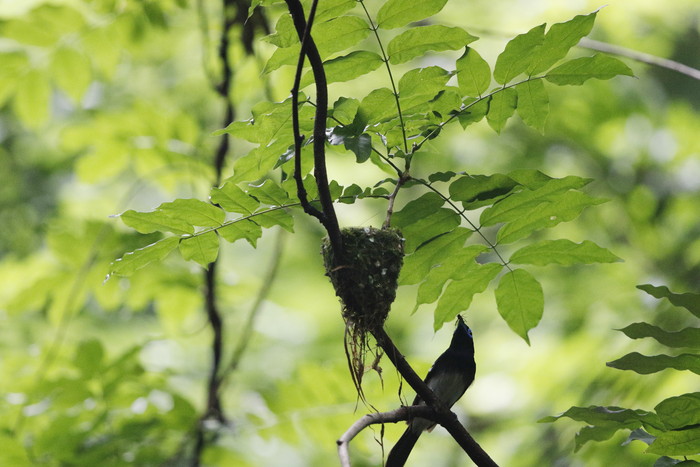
{"points": [[469, 331]]}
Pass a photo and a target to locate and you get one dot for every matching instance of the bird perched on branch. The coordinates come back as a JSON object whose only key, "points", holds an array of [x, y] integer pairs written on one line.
{"points": [[450, 376]]}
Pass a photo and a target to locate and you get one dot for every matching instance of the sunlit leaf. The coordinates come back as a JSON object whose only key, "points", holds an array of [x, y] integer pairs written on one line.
{"points": [[137, 259], [420, 85], [677, 443], [156, 221], [233, 199], [687, 337], [473, 73], [202, 248], [680, 411], [397, 13], [474, 111], [501, 108], [560, 38], [268, 192], [417, 265], [616, 417], [520, 301], [533, 103], [347, 67], [459, 293], [71, 71], [564, 252], [455, 266], [511, 208], [580, 70], [689, 301], [645, 365], [518, 54], [378, 105], [331, 36], [417, 41], [475, 191], [244, 229], [32, 98], [269, 219], [194, 211]]}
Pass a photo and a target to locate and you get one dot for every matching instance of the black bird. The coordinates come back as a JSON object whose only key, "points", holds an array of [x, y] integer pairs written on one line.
{"points": [[450, 376]]}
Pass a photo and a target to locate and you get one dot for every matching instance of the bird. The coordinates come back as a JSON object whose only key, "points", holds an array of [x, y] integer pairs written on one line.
{"points": [[449, 377]]}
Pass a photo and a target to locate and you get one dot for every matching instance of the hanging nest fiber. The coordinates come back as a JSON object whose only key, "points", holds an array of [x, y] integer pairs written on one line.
{"points": [[366, 277]]}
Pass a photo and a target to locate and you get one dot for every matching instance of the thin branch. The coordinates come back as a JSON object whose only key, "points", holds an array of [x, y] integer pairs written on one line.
{"points": [[640, 57], [308, 48], [263, 293], [385, 59], [403, 413]]}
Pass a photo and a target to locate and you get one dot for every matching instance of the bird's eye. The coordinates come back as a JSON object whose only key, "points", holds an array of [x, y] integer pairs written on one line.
{"points": [[470, 333]]}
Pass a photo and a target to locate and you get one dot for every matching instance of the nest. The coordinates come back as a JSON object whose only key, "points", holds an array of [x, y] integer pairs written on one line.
{"points": [[365, 278]]}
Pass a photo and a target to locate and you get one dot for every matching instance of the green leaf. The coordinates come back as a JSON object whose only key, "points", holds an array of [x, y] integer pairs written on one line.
{"points": [[687, 337], [13, 452], [677, 443], [560, 38], [194, 211], [561, 208], [272, 218], [71, 71], [593, 433], [679, 412], [512, 207], [501, 108], [645, 365], [89, 357], [245, 228], [456, 266], [475, 191], [331, 36], [233, 199], [458, 294], [344, 109], [474, 111], [564, 252], [473, 73], [520, 301], [417, 209], [156, 221], [580, 70], [32, 99], [533, 103], [417, 41], [614, 417], [377, 106], [260, 161], [424, 228], [689, 301], [137, 259], [270, 193], [359, 144], [518, 54], [417, 265], [397, 13], [202, 248], [420, 85], [347, 67]]}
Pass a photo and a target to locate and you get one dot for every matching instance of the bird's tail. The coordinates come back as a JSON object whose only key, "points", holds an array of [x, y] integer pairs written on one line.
{"points": [[403, 447]]}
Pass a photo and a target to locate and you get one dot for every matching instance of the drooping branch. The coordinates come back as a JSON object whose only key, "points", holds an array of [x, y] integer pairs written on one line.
{"points": [[309, 49]]}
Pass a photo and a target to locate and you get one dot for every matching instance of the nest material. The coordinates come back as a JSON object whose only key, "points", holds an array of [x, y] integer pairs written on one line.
{"points": [[366, 276]]}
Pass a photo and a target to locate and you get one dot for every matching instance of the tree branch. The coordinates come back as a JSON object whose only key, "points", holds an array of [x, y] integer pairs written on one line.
{"points": [[309, 49]]}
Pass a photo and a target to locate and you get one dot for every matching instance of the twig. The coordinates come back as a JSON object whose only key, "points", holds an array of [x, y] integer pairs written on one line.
{"points": [[394, 416], [268, 280], [640, 57]]}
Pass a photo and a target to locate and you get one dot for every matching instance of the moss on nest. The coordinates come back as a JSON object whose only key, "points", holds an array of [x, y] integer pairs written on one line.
{"points": [[366, 277]]}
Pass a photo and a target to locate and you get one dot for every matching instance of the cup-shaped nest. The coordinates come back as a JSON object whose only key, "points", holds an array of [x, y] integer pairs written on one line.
{"points": [[365, 276]]}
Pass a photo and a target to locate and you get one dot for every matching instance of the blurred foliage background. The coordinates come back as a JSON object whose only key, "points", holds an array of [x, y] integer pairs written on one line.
{"points": [[108, 105]]}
